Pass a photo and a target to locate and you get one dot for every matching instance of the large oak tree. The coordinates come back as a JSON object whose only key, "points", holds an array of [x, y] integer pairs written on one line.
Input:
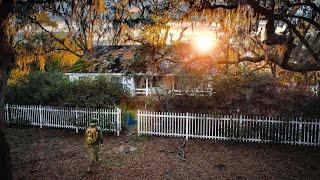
{"points": [[16, 15], [295, 48]]}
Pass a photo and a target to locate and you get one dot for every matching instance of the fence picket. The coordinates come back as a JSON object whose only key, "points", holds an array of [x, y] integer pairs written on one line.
{"points": [[227, 127], [212, 126], [201, 125], [307, 134], [318, 124], [206, 127], [65, 117]]}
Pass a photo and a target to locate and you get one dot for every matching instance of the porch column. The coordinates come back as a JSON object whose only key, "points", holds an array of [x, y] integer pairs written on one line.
{"points": [[133, 86], [147, 86]]}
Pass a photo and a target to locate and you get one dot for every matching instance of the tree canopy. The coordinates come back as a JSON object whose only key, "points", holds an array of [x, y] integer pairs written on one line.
{"points": [[283, 33], [296, 48]]}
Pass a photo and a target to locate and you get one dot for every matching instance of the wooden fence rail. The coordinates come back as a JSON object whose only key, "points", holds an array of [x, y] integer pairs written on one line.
{"points": [[63, 117], [241, 128]]}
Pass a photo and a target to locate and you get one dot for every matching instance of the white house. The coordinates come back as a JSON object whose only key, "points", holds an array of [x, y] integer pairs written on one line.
{"points": [[137, 84]]}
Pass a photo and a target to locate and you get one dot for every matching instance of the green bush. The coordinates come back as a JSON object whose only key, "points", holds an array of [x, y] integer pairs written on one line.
{"points": [[38, 88], [98, 93], [79, 66], [244, 92], [54, 88]]}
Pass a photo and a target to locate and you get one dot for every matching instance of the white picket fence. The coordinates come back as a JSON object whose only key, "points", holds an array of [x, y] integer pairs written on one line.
{"points": [[241, 128], [63, 117]]}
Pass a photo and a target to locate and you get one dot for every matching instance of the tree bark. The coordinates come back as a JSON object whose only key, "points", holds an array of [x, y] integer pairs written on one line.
{"points": [[7, 58], [5, 159]]}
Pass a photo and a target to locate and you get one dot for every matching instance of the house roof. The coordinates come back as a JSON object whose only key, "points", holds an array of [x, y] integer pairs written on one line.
{"points": [[115, 59], [129, 59], [106, 59]]}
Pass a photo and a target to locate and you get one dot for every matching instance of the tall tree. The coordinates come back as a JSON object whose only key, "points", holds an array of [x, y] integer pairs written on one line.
{"points": [[294, 48], [24, 14], [7, 58], [84, 23]]}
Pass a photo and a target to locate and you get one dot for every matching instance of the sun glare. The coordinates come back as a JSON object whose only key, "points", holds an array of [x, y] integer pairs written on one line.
{"points": [[204, 43]]}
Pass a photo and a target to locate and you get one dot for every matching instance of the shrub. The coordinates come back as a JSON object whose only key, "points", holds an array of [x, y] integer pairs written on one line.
{"points": [[54, 88], [244, 93], [38, 88], [98, 93]]}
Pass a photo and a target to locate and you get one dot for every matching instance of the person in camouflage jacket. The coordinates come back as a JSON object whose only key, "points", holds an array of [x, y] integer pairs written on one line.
{"points": [[94, 148]]}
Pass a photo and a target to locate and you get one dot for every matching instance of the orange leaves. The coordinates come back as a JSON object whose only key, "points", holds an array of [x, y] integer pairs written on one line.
{"points": [[42, 60], [66, 58], [100, 5], [44, 19], [16, 75], [24, 61], [281, 49]]}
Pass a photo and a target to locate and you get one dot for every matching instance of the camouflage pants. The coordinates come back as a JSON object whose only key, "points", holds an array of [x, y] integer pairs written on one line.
{"points": [[94, 156], [94, 153]]}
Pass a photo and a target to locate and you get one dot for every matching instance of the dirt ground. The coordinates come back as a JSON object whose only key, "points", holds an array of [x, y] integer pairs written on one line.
{"points": [[61, 154]]}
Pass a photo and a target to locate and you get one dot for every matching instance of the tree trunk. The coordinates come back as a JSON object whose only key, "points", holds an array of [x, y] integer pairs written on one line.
{"points": [[5, 159], [7, 58]]}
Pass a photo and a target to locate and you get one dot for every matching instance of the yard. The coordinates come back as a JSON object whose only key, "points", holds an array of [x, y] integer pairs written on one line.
{"points": [[60, 154]]}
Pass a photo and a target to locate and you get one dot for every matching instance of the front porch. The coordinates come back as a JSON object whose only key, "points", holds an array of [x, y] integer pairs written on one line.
{"points": [[138, 84]]}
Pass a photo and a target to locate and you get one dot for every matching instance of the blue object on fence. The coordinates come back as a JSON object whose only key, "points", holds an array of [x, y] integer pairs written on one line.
{"points": [[130, 118]]}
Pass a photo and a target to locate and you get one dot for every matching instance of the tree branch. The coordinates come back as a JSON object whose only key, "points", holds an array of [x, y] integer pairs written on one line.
{"points": [[54, 37], [291, 66], [310, 4]]}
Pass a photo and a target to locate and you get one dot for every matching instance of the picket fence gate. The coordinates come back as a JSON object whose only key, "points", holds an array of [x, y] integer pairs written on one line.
{"points": [[230, 127], [63, 117]]}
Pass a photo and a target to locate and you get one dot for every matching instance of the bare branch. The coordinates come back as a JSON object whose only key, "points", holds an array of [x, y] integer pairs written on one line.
{"points": [[54, 37]]}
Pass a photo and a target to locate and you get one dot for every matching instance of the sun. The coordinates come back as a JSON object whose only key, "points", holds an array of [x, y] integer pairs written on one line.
{"points": [[204, 44]]}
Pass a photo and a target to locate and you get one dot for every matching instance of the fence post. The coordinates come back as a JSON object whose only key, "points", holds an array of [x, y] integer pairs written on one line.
{"points": [[76, 121], [147, 86], [40, 115], [138, 120], [6, 110], [118, 121], [318, 123], [187, 126], [240, 128], [300, 130]]}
